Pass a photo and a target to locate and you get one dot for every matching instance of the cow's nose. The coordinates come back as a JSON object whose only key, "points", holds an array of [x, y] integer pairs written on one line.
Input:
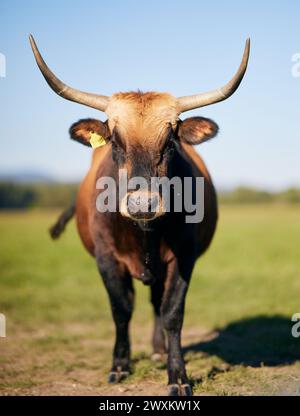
{"points": [[139, 203]]}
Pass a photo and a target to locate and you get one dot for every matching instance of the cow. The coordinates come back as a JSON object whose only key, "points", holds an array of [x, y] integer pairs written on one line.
{"points": [[144, 135]]}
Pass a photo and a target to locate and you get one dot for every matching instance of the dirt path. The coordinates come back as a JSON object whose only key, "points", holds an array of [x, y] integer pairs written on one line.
{"points": [[76, 362]]}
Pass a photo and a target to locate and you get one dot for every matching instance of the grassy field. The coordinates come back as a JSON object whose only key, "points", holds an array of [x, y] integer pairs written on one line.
{"points": [[237, 333]]}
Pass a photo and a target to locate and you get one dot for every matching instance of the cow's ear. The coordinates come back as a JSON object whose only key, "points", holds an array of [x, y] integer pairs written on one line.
{"points": [[196, 130], [82, 130]]}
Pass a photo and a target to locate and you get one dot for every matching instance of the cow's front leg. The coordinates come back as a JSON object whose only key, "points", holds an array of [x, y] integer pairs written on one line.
{"points": [[119, 286], [172, 311], [158, 338]]}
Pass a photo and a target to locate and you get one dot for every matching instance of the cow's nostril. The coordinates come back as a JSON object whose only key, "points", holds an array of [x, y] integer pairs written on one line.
{"points": [[132, 204], [152, 203]]}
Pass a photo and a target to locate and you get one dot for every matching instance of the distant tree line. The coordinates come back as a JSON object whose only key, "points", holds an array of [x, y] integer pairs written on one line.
{"points": [[57, 195], [40, 195], [246, 195]]}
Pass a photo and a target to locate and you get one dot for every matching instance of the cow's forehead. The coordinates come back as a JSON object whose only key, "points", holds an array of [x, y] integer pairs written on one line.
{"points": [[138, 113]]}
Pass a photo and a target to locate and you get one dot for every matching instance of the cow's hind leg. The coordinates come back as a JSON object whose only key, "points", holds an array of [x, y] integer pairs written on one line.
{"points": [[158, 338], [172, 311], [119, 286]]}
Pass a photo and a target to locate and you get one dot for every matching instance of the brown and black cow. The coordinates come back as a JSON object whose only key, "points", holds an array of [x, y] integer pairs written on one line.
{"points": [[141, 239]]}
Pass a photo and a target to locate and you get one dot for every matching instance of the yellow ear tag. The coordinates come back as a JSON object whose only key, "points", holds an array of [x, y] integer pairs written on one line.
{"points": [[96, 140]]}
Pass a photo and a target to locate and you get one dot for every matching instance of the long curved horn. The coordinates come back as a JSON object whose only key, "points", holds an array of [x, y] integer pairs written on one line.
{"points": [[211, 97], [91, 100]]}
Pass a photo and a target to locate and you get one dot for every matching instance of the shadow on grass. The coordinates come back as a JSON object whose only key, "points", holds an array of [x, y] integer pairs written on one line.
{"points": [[253, 341]]}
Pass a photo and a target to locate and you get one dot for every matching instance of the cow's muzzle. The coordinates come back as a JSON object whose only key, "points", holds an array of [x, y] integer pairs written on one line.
{"points": [[141, 205]]}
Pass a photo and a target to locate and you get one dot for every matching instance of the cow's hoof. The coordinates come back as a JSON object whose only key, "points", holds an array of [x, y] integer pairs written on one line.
{"points": [[117, 376], [179, 390], [186, 390], [158, 357]]}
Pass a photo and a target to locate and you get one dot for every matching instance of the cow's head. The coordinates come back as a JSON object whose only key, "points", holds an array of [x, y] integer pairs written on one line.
{"points": [[143, 129]]}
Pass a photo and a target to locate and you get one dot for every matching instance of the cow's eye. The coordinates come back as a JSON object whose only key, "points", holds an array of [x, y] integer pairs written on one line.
{"points": [[167, 150], [117, 142], [170, 141], [118, 151]]}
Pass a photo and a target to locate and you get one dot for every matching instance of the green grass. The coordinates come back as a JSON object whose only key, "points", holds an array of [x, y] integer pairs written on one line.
{"points": [[238, 312]]}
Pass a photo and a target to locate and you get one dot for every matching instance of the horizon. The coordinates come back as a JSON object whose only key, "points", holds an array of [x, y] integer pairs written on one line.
{"points": [[41, 177]]}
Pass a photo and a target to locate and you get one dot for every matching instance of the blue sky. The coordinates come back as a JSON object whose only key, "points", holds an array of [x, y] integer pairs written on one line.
{"points": [[182, 47]]}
